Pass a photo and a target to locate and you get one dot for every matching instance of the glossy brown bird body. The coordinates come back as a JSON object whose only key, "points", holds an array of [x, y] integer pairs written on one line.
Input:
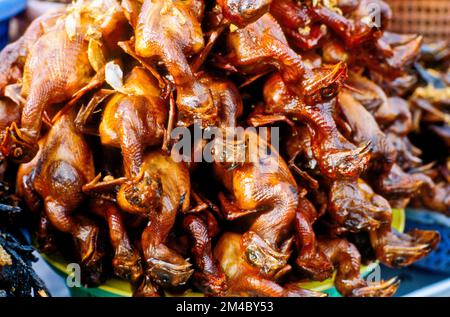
{"points": [[261, 46], [365, 129], [134, 121], [356, 27], [163, 266], [336, 156], [14, 55], [392, 61], [391, 180], [170, 31], [354, 207], [438, 198], [347, 261], [57, 68], [226, 99], [260, 186], [264, 187], [367, 211], [43, 87]]}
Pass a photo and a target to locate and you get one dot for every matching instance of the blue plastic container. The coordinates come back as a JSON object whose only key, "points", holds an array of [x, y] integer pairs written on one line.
{"points": [[439, 259], [8, 9]]}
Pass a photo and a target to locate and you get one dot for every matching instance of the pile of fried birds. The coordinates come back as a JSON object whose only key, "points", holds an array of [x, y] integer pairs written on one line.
{"points": [[91, 94]]}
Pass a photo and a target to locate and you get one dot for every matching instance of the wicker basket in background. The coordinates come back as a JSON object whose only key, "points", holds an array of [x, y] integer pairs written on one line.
{"points": [[431, 18]]}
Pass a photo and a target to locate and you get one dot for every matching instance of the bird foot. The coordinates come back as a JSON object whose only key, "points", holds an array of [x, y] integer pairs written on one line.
{"points": [[261, 254]]}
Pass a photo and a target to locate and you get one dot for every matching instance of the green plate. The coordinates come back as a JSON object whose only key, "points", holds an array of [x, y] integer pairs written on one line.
{"points": [[114, 287]]}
